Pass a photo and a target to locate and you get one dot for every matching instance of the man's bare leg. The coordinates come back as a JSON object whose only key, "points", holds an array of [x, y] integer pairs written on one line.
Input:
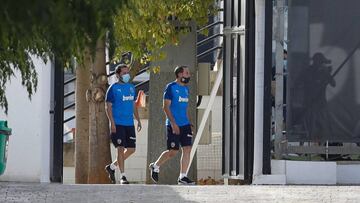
{"points": [[154, 167], [185, 159], [121, 159], [184, 163], [127, 153], [165, 156]]}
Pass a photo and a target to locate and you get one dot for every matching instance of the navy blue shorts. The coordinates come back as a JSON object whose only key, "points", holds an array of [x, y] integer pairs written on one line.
{"points": [[184, 139], [124, 136]]}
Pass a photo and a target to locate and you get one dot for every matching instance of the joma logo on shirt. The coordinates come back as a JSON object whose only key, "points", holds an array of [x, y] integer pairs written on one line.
{"points": [[181, 99], [128, 98]]}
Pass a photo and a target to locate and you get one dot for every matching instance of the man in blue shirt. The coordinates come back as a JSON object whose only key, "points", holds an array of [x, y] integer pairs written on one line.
{"points": [[179, 132], [121, 109]]}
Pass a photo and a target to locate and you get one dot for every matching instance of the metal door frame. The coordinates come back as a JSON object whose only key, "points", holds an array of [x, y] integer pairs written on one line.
{"points": [[238, 134]]}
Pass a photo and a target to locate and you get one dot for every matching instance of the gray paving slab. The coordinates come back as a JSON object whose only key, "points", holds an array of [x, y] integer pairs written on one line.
{"points": [[36, 192]]}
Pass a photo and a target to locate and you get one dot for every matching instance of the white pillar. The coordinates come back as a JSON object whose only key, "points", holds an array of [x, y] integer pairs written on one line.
{"points": [[45, 85], [279, 77], [259, 86]]}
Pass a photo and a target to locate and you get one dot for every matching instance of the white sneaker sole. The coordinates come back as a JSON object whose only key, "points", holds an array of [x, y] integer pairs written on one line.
{"points": [[183, 183]]}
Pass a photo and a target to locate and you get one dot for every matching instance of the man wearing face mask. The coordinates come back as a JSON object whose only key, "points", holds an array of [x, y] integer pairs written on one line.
{"points": [[179, 132], [121, 109]]}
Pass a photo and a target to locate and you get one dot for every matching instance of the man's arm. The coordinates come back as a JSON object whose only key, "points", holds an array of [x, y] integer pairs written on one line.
{"points": [[136, 115], [108, 108], [166, 107]]}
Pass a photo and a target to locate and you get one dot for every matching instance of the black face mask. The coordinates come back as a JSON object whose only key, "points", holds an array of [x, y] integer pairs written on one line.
{"points": [[185, 80]]}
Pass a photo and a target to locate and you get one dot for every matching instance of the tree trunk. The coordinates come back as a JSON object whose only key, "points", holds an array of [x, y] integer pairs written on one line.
{"points": [[99, 148], [82, 121]]}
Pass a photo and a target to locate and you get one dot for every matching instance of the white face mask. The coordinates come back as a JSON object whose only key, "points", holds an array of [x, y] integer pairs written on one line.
{"points": [[125, 78]]}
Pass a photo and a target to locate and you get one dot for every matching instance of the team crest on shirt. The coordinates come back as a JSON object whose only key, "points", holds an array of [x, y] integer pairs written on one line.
{"points": [[172, 144], [118, 141], [132, 90], [186, 91]]}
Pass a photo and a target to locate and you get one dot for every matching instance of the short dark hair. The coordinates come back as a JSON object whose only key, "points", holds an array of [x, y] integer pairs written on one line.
{"points": [[119, 67], [179, 69]]}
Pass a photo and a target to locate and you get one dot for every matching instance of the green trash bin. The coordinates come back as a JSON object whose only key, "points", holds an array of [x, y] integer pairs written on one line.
{"points": [[5, 132]]}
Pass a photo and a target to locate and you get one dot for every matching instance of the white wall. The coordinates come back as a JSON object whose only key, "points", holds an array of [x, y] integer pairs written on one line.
{"points": [[313, 172], [29, 144], [209, 158], [216, 112]]}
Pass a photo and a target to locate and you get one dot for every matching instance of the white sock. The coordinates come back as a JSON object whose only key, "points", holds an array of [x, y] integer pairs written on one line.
{"points": [[182, 175], [113, 166], [156, 168]]}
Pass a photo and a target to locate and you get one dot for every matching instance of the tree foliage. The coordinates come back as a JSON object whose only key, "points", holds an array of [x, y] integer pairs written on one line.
{"points": [[144, 27], [63, 28], [48, 29]]}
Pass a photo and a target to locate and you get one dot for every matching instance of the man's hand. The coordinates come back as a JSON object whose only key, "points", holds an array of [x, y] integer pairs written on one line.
{"points": [[175, 128], [139, 127], [113, 128]]}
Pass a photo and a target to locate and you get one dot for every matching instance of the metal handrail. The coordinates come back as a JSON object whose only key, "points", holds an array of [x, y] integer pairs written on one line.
{"points": [[69, 93], [208, 39], [210, 25], [141, 83], [69, 106], [138, 73], [69, 119], [70, 80], [74, 78], [208, 51]]}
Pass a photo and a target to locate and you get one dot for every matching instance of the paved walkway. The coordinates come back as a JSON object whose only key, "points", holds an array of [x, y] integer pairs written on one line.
{"points": [[34, 192]]}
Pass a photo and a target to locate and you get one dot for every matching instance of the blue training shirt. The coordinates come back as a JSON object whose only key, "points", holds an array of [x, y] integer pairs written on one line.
{"points": [[179, 96], [122, 97]]}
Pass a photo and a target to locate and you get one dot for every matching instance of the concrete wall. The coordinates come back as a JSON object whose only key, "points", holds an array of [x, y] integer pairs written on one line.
{"points": [[29, 144], [312, 173], [209, 157]]}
